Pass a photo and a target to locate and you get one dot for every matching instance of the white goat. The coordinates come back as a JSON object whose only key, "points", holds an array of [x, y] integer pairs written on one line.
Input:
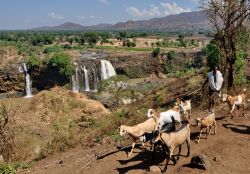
{"points": [[175, 139], [165, 117], [206, 122], [186, 106], [138, 131]]}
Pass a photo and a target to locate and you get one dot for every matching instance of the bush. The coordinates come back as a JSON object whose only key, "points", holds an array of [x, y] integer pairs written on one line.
{"points": [[239, 64], [131, 44], [34, 61], [156, 52], [7, 169], [171, 55], [52, 49], [61, 62]]}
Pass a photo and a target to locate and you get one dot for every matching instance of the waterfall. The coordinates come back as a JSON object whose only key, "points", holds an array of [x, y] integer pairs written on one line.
{"points": [[28, 83], [103, 70], [107, 70], [86, 79], [28, 86], [95, 79], [75, 81], [92, 68]]}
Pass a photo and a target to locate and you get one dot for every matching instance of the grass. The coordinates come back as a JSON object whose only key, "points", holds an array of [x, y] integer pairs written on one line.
{"points": [[122, 48]]}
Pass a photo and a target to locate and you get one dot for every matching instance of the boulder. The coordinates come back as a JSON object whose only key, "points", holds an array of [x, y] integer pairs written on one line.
{"points": [[201, 161], [155, 169]]}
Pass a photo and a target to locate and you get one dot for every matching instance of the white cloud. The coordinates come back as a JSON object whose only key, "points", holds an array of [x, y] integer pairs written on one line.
{"points": [[53, 15], [104, 1], [152, 12], [173, 8], [81, 17], [94, 17]]}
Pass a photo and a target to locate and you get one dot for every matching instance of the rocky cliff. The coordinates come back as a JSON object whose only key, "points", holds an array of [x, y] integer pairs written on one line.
{"points": [[143, 64]]}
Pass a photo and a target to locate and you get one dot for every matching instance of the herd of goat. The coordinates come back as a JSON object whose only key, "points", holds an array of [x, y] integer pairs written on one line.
{"points": [[160, 127]]}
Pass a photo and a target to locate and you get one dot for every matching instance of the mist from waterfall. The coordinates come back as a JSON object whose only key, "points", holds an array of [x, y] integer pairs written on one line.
{"points": [[107, 70], [86, 79], [75, 81]]}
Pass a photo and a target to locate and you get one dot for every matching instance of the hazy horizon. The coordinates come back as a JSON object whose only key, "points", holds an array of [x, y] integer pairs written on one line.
{"points": [[27, 14]]}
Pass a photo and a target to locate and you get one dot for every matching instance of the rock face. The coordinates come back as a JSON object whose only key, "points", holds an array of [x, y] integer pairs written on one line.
{"points": [[11, 80], [141, 65], [135, 65]]}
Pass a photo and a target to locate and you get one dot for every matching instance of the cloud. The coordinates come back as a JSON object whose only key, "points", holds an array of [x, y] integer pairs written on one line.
{"points": [[104, 1], [81, 17], [152, 12], [173, 8], [53, 15], [94, 17]]}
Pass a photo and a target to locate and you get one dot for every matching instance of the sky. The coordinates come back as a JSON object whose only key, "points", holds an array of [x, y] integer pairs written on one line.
{"points": [[26, 14]]}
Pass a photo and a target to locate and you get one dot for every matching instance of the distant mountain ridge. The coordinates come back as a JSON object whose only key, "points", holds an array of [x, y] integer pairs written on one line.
{"points": [[184, 21]]}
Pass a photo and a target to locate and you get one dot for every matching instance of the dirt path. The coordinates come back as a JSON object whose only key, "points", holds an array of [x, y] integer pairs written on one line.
{"points": [[231, 145]]}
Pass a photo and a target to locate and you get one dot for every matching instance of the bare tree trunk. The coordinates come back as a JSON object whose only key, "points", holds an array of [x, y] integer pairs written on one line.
{"points": [[230, 77]]}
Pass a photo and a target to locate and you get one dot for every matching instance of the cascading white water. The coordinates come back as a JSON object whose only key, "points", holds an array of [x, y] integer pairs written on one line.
{"points": [[107, 70], [86, 79], [28, 86], [95, 79], [75, 81], [103, 70], [28, 83]]}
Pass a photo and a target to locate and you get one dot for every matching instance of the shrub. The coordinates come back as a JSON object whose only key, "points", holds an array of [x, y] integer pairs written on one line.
{"points": [[156, 52], [7, 169], [239, 64], [34, 61], [61, 62], [171, 55]]}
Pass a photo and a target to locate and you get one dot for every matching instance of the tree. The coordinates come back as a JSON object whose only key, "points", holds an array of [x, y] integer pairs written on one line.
{"points": [[213, 54], [61, 62], [228, 18], [156, 52]]}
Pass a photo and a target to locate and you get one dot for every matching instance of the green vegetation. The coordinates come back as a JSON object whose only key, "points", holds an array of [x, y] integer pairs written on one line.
{"points": [[240, 78], [213, 54], [62, 63], [156, 52], [34, 61]]}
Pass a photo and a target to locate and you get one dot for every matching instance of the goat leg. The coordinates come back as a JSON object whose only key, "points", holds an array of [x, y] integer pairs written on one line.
{"points": [[169, 157], [199, 137], [179, 153], [131, 151], [188, 147], [215, 127]]}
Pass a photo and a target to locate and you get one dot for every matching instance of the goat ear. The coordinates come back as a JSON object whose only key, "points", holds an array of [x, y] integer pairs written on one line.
{"points": [[119, 128]]}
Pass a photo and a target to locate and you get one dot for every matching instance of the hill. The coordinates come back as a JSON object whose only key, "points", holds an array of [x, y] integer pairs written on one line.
{"points": [[183, 21]]}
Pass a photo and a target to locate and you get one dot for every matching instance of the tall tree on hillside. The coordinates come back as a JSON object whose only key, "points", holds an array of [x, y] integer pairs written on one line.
{"points": [[228, 17]]}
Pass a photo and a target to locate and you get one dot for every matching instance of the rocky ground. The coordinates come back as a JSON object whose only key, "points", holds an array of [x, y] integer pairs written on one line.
{"points": [[228, 153]]}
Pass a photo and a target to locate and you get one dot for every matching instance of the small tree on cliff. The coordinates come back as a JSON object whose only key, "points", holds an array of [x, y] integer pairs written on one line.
{"points": [[227, 17], [61, 62]]}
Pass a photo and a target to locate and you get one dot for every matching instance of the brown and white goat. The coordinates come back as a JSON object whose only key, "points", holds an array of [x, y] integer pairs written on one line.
{"points": [[233, 101], [137, 132], [186, 106], [207, 123], [175, 139]]}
